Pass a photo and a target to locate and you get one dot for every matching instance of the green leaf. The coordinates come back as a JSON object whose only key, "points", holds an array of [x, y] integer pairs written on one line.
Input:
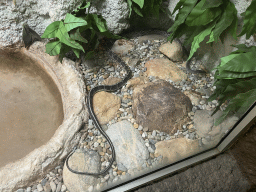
{"points": [[241, 87], [178, 6], [199, 38], [199, 16], [211, 3], [188, 5], [249, 27], [72, 22], [51, 30], [234, 75], [82, 7], [182, 29], [222, 117], [76, 35], [225, 20], [86, 6], [63, 36], [99, 21], [129, 2], [136, 10], [139, 2], [243, 62], [53, 48], [89, 55], [77, 52], [193, 31], [241, 102], [64, 49], [233, 27], [242, 48]]}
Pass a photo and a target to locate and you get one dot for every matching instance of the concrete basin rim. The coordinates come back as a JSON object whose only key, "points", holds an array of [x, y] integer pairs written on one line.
{"points": [[56, 149]]}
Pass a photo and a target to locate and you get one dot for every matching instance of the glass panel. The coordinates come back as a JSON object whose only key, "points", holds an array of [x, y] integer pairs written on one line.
{"points": [[159, 117]]}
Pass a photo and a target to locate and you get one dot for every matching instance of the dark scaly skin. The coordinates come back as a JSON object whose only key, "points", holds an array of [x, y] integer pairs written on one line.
{"points": [[93, 91]]}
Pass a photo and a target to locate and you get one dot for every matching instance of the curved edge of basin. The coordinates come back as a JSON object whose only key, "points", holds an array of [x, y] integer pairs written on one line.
{"points": [[72, 88]]}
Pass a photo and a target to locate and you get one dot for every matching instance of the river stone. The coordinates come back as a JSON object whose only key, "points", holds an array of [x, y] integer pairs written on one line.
{"points": [[204, 124], [129, 146], [84, 161], [105, 106], [159, 105], [176, 149], [122, 46], [164, 69], [172, 50], [111, 81]]}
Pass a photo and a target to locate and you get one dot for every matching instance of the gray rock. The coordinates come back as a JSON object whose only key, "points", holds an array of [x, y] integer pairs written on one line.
{"points": [[204, 124], [151, 150], [47, 187], [44, 181], [40, 187], [63, 188], [15, 14], [20, 190], [58, 189], [53, 186], [121, 167], [84, 161], [129, 146]]}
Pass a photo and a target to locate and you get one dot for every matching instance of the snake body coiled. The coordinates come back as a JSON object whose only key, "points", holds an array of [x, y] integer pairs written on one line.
{"points": [[93, 91]]}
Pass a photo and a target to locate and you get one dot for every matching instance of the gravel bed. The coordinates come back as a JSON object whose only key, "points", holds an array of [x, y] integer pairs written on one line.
{"points": [[92, 138]]}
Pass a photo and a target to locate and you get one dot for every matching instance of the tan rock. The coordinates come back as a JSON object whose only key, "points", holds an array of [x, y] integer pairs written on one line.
{"points": [[150, 37], [172, 50], [177, 149], [83, 161], [122, 46], [106, 106], [111, 81], [164, 69], [137, 81], [193, 96]]}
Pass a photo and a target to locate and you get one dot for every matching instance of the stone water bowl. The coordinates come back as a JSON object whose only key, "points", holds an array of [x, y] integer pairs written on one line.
{"points": [[42, 107]]}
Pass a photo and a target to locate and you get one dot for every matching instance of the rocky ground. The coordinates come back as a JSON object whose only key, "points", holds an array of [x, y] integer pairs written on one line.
{"points": [[141, 135]]}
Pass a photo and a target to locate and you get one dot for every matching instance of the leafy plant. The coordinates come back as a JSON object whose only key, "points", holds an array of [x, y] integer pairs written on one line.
{"points": [[236, 81], [201, 19], [147, 8], [71, 33], [249, 26], [235, 78]]}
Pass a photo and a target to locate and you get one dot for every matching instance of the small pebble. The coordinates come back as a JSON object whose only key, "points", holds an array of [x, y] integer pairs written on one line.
{"points": [[53, 186], [63, 188], [40, 187]]}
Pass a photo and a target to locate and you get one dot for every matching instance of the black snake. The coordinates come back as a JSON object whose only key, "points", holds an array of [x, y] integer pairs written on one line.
{"points": [[93, 91], [113, 88]]}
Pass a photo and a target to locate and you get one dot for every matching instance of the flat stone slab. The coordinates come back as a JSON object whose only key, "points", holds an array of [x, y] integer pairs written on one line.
{"points": [[219, 174]]}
